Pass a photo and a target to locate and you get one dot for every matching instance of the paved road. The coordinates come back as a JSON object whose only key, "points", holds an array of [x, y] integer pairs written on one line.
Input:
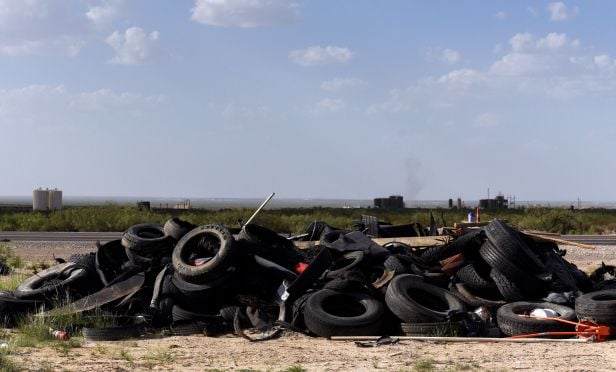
{"points": [[58, 236], [105, 236]]}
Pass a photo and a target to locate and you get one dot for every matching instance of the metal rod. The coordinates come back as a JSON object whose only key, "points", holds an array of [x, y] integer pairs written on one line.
{"points": [[259, 209], [460, 339]]}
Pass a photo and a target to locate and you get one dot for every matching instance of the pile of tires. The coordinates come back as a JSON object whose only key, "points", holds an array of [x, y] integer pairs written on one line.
{"points": [[209, 279]]}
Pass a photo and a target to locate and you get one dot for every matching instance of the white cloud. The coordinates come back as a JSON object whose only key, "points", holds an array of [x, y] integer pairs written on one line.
{"points": [[461, 78], [329, 105], [54, 103], [533, 11], [560, 12], [33, 96], [245, 13], [105, 13], [447, 56], [487, 120], [450, 56], [341, 83], [532, 55], [535, 69], [318, 55], [526, 42], [39, 27], [134, 46], [62, 46], [605, 64], [440, 93], [500, 15], [104, 99]]}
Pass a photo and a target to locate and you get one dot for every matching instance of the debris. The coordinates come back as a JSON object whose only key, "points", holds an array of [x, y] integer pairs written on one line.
{"points": [[345, 284]]}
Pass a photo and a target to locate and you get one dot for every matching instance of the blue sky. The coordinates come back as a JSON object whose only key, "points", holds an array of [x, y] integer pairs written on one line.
{"points": [[311, 99]]}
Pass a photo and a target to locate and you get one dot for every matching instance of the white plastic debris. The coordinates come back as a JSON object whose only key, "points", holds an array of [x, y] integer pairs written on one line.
{"points": [[544, 313]]}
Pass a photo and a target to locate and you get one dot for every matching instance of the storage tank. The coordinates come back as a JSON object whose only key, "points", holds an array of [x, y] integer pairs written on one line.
{"points": [[54, 200], [39, 200]]}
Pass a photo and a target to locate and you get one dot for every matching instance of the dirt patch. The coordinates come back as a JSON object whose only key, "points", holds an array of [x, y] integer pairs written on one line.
{"points": [[293, 352]]}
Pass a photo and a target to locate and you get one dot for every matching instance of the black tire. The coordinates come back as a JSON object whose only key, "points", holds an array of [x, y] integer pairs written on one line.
{"points": [[12, 308], [441, 280], [393, 263], [140, 260], [476, 275], [167, 286], [507, 289], [211, 242], [605, 284], [209, 292], [434, 329], [180, 314], [177, 228], [582, 280], [271, 246], [4, 269], [109, 259], [143, 238], [398, 248], [316, 229], [475, 299], [330, 237], [52, 281], [112, 333], [524, 279], [509, 244], [329, 313], [193, 328], [512, 324], [468, 242], [600, 307], [87, 260], [414, 301], [349, 261]]}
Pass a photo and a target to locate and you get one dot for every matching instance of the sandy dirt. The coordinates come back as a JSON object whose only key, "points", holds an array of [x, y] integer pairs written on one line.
{"points": [[200, 353]]}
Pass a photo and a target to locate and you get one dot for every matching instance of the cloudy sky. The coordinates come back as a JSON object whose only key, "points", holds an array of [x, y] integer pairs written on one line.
{"points": [[311, 99]]}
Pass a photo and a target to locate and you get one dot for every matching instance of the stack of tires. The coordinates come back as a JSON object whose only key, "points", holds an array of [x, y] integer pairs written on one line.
{"points": [[201, 276], [205, 279]]}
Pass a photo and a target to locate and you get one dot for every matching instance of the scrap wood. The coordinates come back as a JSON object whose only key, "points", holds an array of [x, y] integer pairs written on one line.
{"points": [[551, 238], [415, 241]]}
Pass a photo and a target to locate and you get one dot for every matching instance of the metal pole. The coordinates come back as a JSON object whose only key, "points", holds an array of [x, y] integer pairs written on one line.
{"points": [[461, 339], [259, 209]]}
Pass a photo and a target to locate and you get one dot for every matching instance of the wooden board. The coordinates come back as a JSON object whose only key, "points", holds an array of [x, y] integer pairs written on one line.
{"points": [[418, 241]]}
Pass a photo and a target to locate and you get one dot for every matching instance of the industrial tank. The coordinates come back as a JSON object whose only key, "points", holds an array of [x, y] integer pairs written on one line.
{"points": [[39, 200], [54, 200]]}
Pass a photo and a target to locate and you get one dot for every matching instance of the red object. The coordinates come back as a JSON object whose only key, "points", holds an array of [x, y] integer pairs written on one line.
{"points": [[583, 329], [60, 335], [478, 217], [450, 264], [199, 261], [300, 267]]}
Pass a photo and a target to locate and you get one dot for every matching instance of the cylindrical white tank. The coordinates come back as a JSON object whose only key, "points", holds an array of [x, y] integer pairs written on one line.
{"points": [[55, 200], [39, 200]]}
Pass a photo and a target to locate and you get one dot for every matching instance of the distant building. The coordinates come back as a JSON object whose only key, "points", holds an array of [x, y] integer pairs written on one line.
{"points": [[46, 200], [392, 202], [143, 205], [499, 202]]}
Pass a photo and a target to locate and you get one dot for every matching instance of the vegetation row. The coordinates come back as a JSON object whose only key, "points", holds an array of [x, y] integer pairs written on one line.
{"points": [[113, 217]]}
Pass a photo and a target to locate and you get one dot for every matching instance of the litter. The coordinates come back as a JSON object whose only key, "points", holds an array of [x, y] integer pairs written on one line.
{"points": [[491, 281]]}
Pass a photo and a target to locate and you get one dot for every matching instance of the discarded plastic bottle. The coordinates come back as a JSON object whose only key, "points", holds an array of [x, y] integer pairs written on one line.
{"points": [[59, 335]]}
